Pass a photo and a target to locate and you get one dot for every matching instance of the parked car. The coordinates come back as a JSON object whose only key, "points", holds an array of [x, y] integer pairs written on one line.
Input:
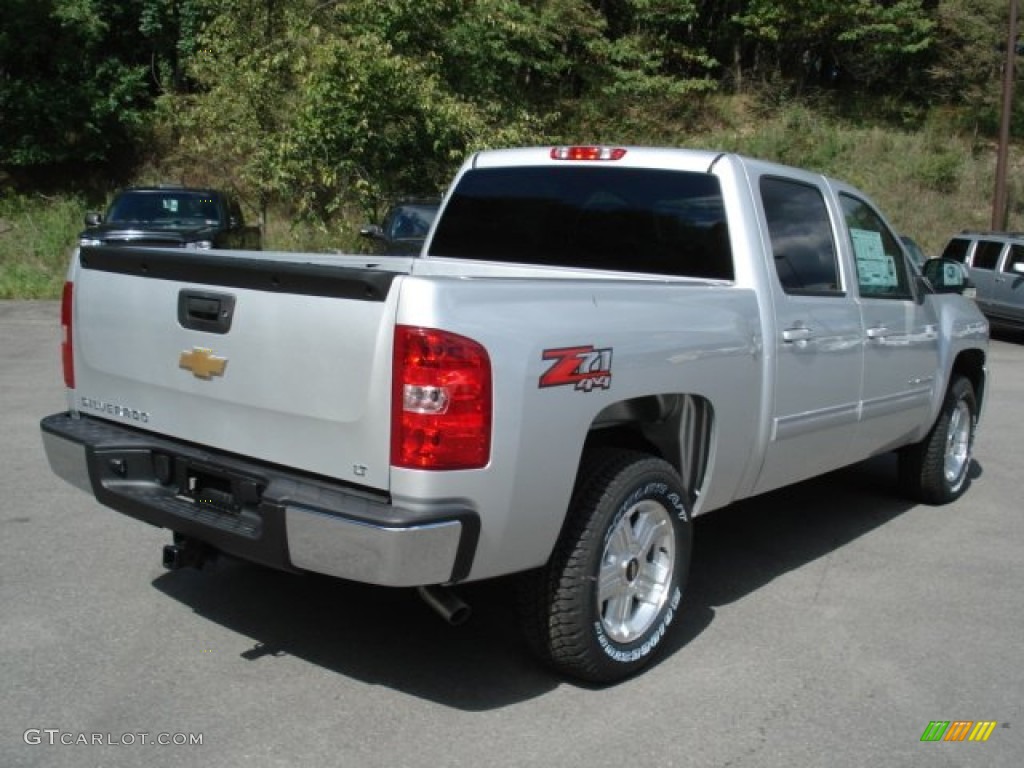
{"points": [[995, 262], [404, 228], [171, 217]]}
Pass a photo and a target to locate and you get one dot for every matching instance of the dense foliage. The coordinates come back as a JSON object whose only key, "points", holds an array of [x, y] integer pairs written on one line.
{"points": [[326, 104]]}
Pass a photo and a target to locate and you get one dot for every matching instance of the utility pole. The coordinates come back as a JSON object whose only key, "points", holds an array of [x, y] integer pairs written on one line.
{"points": [[999, 201]]}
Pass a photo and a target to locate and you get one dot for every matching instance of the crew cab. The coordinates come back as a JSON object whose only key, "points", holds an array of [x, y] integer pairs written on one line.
{"points": [[596, 345], [171, 217]]}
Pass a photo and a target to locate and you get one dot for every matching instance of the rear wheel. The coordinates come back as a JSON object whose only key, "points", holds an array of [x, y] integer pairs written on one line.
{"points": [[602, 605], [937, 470]]}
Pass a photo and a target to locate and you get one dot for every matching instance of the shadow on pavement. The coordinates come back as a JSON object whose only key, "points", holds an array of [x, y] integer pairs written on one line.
{"points": [[1010, 334], [741, 548], [390, 637], [378, 635]]}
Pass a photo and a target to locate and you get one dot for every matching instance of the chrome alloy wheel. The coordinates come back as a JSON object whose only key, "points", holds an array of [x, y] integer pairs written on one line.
{"points": [[636, 571], [958, 444]]}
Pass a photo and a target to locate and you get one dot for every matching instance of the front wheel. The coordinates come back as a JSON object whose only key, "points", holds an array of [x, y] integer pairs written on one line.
{"points": [[937, 470], [603, 604]]}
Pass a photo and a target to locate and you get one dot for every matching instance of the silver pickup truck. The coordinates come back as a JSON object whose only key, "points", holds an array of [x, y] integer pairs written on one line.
{"points": [[596, 345]]}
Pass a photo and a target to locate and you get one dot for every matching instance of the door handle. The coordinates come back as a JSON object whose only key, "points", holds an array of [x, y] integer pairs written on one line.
{"points": [[878, 332], [205, 311], [798, 333]]}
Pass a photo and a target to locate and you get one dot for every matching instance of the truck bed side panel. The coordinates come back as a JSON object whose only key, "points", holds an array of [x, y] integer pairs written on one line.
{"points": [[672, 338]]}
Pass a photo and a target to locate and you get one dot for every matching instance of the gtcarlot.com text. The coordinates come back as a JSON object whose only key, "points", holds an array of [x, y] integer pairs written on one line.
{"points": [[55, 736]]}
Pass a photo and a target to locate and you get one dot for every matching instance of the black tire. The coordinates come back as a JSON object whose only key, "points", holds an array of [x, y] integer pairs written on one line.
{"points": [[582, 612], [937, 469]]}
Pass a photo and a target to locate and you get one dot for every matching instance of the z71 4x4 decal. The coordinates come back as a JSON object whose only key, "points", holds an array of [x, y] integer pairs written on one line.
{"points": [[584, 368]]}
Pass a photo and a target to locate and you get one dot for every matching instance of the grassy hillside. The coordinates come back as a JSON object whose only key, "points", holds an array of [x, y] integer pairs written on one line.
{"points": [[929, 182], [36, 237]]}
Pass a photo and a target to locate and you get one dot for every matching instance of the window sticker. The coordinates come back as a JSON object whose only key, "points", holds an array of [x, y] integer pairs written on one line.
{"points": [[953, 275], [875, 268]]}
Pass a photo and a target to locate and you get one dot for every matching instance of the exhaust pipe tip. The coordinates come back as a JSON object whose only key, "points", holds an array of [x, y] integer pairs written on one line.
{"points": [[446, 603]]}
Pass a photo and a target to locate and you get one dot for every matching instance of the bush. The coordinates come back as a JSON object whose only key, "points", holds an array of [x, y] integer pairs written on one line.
{"points": [[36, 237]]}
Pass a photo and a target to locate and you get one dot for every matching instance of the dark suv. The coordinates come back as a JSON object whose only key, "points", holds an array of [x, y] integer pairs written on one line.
{"points": [[174, 217], [404, 228], [995, 261]]}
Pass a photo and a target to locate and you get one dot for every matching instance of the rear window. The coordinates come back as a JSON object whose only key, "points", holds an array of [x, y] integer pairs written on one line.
{"points": [[622, 219]]}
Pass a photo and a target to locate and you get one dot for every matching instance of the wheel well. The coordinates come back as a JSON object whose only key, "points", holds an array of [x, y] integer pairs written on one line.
{"points": [[676, 428], [971, 364]]}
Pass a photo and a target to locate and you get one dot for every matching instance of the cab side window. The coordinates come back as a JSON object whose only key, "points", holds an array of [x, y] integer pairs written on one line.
{"points": [[957, 249], [881, 266], [801, 236], [1016, 257], [986, 254]]}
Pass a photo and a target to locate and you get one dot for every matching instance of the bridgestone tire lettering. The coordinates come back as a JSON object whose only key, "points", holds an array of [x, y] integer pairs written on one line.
{"points": [[604, 605]]}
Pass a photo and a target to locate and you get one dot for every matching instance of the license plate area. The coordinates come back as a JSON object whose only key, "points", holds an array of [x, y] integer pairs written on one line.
{"points": [[216, 490], [163, 487]]}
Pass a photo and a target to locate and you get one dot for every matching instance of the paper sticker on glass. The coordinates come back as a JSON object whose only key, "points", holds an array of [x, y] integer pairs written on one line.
{"points": [[875, 268]]}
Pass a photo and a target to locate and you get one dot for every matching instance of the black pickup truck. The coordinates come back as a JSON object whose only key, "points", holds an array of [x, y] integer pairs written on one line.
{"points": [[171, 217]]}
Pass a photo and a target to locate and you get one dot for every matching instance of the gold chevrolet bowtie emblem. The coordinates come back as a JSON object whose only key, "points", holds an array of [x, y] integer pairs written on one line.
{"points": [[203, 363]]}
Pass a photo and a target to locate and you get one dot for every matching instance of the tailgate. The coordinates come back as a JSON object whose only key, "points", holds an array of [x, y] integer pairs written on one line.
{"points": [[270, 356]]}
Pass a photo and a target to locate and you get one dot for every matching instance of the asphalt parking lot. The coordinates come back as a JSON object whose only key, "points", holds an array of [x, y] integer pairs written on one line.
{"points": [[825, 624]]}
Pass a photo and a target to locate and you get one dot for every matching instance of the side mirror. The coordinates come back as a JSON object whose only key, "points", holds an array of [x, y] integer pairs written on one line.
{"points": [[92, 219], [1018, 268], [948, 276], [372, 231]]}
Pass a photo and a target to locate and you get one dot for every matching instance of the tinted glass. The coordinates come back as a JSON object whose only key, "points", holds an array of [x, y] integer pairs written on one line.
{"points": [[801, 234], [623, 219], [916, 254], [956, 249], [881, 266], [166, 208], [986, 254], [1016, 257], [409, 221]]}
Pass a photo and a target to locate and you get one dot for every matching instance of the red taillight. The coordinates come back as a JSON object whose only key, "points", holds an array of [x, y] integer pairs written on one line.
{"points": [[440, 401], [67, 354], [587, 153]]}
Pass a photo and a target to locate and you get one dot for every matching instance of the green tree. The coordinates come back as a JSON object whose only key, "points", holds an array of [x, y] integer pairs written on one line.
{"points": [[172, 29], [809, 42], [325, 104], [225, 129], [78, 77], [71, 86], [966, 70]]}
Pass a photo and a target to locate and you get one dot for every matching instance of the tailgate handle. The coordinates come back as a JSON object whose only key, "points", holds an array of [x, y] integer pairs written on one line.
{"points": [[205, 311]]}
